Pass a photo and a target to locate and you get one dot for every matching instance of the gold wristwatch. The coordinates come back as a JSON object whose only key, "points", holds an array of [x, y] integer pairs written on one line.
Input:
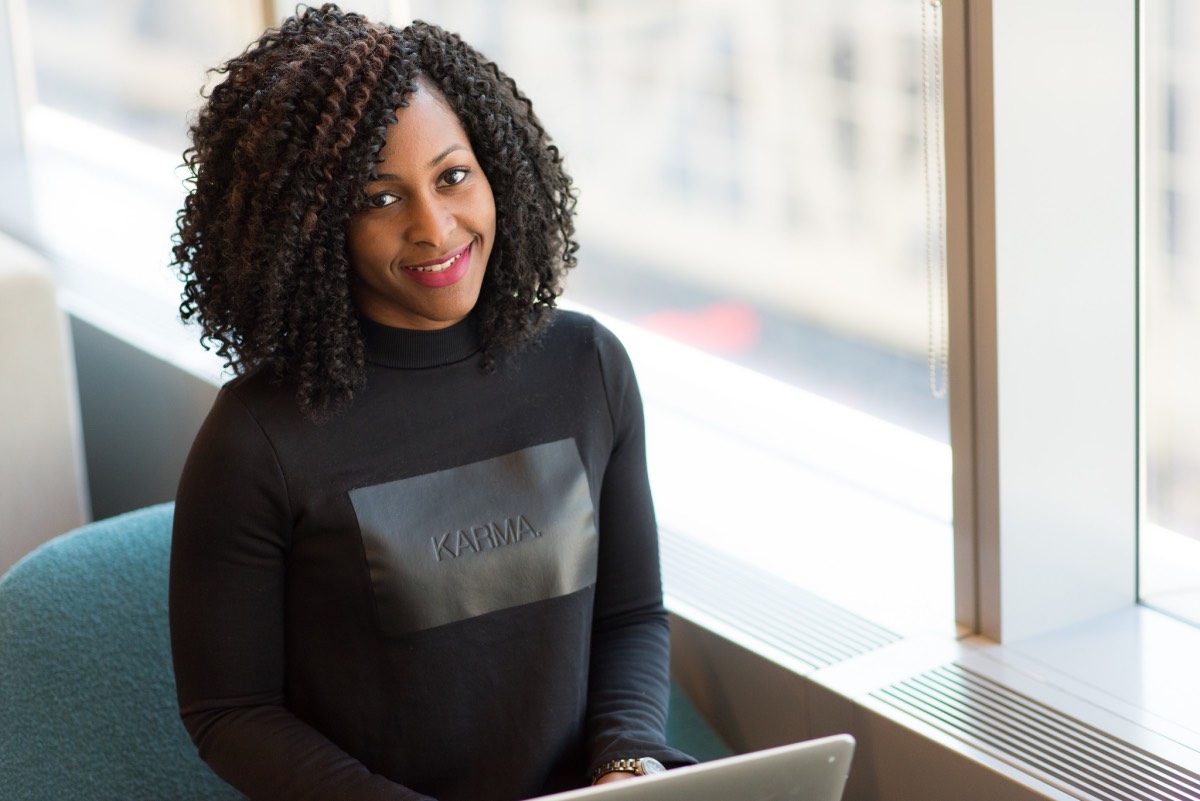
{"points": [[646, 766]]}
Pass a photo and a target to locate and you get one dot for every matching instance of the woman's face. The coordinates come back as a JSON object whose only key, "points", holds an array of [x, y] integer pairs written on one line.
{"points": [[420, 246]]}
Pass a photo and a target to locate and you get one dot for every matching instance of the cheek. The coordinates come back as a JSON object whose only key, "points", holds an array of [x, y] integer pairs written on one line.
{"points": [[353, 237], [487, 209], [491, 215], [361, 244]]}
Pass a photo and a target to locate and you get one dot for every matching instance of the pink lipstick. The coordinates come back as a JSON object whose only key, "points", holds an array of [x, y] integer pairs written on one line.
{"points": [[441, 272]]}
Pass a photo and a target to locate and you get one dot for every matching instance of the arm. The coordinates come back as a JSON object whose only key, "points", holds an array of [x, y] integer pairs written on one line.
{"points": [[629, 674], [228, 563]]}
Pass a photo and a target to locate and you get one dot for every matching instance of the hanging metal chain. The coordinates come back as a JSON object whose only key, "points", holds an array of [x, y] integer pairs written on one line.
{"points": [[938, 346]]}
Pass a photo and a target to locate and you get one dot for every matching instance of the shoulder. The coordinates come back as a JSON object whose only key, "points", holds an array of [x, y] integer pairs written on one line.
{"points": [[577, 330], [593, 347], [233, 422], [248, 414], [258, 395]]}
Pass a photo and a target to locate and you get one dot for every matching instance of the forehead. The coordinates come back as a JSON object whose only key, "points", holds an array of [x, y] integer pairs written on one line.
{"points": [[424, 129]]}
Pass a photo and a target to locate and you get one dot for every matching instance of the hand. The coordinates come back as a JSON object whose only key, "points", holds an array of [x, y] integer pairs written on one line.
{"points": [[614, 776]]}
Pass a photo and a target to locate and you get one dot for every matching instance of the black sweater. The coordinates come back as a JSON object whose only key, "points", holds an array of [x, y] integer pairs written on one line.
{"points": [[449, 590]]}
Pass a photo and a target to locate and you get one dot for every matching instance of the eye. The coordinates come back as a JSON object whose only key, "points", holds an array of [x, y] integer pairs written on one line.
{"points": [[455, 176], [382, 200]]}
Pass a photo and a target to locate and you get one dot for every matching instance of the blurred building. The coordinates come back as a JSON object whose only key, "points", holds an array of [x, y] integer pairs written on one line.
{"points": [[1170, 262]]}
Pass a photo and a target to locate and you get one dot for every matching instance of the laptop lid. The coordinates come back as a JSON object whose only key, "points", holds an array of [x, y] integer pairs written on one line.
{"points": [[813, 770]]}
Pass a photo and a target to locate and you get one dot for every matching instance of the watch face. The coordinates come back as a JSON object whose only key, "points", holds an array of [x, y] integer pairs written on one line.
{"points": [[649, 766]]}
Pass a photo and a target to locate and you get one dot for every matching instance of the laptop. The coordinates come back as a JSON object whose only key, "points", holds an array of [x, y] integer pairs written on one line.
{"points": [[813, 770]]}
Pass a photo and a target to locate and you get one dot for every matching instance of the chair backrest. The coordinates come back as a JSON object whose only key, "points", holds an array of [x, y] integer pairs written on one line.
{"points": [[42, 486], [87, 692]]}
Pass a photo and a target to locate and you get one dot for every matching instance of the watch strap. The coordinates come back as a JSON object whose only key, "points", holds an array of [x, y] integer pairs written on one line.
{"points": [[634, 766]]}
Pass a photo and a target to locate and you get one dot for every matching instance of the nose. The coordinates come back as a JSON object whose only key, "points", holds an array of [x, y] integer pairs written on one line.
{"points": [[430, 221]]}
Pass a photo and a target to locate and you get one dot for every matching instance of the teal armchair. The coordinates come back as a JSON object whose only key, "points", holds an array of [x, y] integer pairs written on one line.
{"points": [[87, 700], [87, 692]]}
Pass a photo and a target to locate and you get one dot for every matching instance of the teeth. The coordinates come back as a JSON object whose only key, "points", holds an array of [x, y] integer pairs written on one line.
{"points": [[437, 268]]}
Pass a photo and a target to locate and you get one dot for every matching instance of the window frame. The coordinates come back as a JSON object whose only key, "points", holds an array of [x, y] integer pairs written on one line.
{"points": [[1020, 422], [1043, 414]]}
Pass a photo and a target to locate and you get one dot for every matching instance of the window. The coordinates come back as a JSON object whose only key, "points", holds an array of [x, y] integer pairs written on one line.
{"points": [[1170, 267], [748, 178], [750, 189], [134, 68], [751, 216], [114, 85]]}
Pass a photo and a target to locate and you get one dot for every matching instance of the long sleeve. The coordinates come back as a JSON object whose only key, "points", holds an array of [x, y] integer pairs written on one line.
{"points": [[227, 601], [629, 671]]}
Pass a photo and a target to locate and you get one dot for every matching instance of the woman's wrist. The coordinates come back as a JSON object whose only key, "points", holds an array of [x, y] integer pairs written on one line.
{"points": [[627, 768]]}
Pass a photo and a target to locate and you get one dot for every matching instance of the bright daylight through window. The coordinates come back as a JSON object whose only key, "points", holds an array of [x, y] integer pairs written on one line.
{"points": [[752, 219], [751, 184], [1170, 266], [116, 84]]}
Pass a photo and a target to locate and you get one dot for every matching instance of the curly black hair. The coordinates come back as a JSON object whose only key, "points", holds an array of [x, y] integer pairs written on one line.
{"points": [[281, 154]]}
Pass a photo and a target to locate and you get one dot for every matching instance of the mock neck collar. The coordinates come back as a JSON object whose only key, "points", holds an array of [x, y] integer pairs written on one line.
{"points": [[408, 349]]}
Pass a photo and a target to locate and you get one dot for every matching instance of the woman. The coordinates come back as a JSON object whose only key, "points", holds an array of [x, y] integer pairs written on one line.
{"points": [[415, 554]]}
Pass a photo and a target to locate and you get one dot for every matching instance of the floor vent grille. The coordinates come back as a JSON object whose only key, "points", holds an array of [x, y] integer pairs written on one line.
{"points": [[1058, 749], [779, 614]]}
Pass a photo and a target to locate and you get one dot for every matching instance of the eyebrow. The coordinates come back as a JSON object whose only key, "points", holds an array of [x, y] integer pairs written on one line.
{"points": [[442, 156], [436, 160]]}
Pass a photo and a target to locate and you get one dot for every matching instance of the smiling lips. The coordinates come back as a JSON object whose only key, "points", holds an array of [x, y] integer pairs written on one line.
{"points": [[441, 273]]}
